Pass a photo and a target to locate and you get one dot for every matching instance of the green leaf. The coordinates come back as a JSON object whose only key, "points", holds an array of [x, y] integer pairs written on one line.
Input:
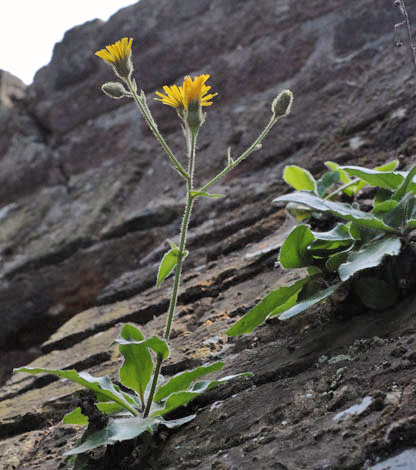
{"points": [[404, 187], [314, 270], [339, 233], [158, 345], [334, 239], [173, 245], [92, 441], [369, 255], [282, 298], [358, 186], [109, 408], [137, 368], [194, 193], [390, 166], [384, 207], [76, 417], [99, 385], [364, 234], [209, 384], [327, 180], [344, 211], [344, 178], [294, 251], [168, 263], [175, 400], [116, 430], [307, 303], [183, 380], [298, 211], [375, 293], [299, 178], [175, 423], [399, 216], [382, 195], [382, 179], [322, 249], [334, 261]]}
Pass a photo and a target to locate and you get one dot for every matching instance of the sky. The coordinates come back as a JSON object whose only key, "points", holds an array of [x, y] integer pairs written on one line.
{"points": [[30, 28]]}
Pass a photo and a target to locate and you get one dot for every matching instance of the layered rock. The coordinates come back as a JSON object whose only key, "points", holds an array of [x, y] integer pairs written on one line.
{"points": [[89, 199]]}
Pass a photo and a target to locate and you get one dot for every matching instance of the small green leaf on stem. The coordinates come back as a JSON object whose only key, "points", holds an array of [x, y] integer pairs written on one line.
{"points": [[230, 160], [168, 263], [205, 194]]}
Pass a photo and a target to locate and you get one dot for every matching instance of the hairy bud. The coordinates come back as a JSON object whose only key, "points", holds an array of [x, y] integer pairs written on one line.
{"points": [[114, 90], [282, 104]]}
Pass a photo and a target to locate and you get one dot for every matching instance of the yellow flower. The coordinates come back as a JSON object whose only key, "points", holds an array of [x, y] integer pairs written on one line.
{"points": [[174, 98], [192, 90], [119, 56]]}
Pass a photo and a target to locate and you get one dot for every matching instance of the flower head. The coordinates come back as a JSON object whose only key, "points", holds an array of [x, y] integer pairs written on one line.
{"points": [[192, 90], [196, 90], [174, 96], [118, 55]]}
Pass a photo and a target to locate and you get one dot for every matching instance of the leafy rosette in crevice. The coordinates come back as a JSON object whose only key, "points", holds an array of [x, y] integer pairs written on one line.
{"points": [[353, 253], [124, 404]]}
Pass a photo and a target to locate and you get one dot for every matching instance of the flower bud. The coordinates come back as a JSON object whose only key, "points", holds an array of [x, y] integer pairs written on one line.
{"points": [[114, 90], [282, 104]]}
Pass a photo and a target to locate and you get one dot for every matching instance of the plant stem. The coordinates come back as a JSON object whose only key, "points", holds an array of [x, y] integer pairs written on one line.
{"points": [[191, 138], [254, 146], [409, 32], [341, 188], [151, 123]]}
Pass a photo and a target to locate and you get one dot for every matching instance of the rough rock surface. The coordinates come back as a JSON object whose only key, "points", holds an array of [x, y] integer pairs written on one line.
{"points": [[88, 200]]}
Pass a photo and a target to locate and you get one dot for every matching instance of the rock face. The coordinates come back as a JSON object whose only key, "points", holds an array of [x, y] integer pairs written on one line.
{"points": [[88, 200], [11, 88]]}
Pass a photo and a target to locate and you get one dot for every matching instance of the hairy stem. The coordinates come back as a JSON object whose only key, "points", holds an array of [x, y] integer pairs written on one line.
{"points": [[409, 32], [254, 146], [151, 123], [191, 138]]}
